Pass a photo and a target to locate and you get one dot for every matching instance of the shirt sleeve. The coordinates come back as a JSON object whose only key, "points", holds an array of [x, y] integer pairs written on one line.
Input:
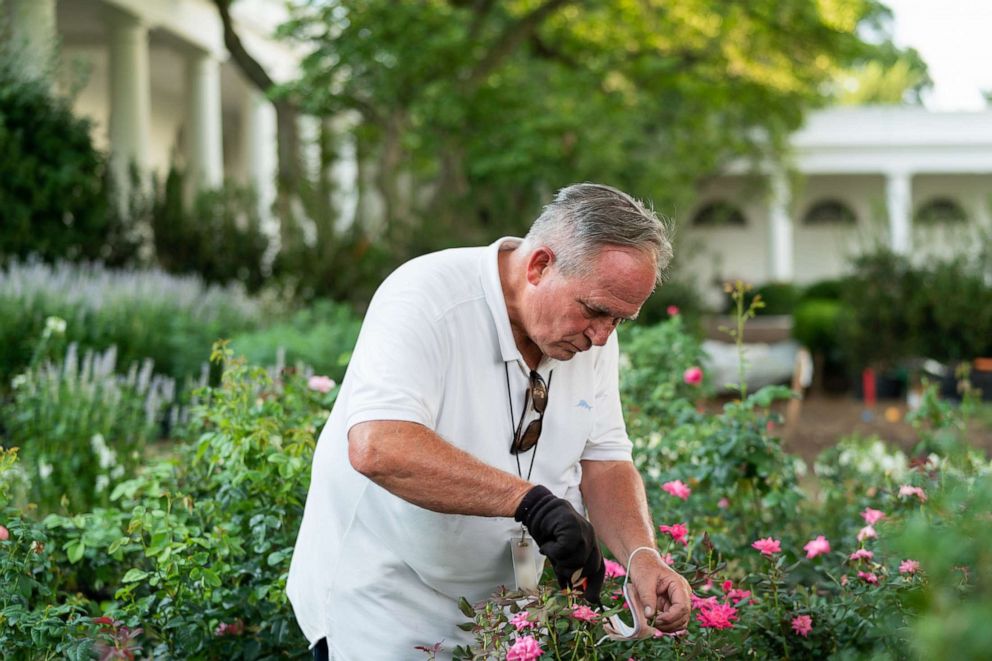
{"points": [[398, 365], [608, 440]]}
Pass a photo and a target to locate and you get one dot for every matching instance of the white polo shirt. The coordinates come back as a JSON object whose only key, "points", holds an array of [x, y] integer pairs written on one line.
{"points": [[377, 575]]}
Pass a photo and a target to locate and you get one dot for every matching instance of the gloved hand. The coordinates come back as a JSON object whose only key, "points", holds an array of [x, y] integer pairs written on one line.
{"points": [[566, 538]]}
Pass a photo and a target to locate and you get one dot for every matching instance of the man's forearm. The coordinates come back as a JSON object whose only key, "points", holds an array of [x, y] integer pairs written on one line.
{"points": [[414, 463], [614, 495]]}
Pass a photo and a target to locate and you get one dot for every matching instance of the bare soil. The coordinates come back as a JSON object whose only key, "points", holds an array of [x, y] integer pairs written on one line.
{"points": [[825, 419]]}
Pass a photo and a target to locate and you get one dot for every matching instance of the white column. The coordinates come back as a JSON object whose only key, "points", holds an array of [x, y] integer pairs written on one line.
{"points": [[130, 99], [780, 229], [33, 36], [204, 136], [344, 171], [897, 200], [259, 152]]}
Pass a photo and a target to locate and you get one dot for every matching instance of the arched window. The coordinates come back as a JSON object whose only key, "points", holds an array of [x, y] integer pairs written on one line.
{"points": [[939, 210], [830, 212], [719, 214]]}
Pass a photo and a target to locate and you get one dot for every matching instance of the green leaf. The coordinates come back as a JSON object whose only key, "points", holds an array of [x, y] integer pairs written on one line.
{"points": [[134, 575], [466, 608], [116, 544], [74, 550], [210, 578]]}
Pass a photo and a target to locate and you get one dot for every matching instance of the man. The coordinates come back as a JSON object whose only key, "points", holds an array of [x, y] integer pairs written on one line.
{"points": [[481, 401]]}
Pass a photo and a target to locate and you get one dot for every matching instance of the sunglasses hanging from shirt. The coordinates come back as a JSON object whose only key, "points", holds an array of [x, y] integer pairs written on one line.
{"points": [[525, 439], [538, 394]]}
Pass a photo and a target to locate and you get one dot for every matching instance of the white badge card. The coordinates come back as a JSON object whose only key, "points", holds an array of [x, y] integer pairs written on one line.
{"points": [[528, 563]]}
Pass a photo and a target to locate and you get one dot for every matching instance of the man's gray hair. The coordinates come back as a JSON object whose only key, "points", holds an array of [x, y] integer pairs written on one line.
{"points": [[583, 218]]}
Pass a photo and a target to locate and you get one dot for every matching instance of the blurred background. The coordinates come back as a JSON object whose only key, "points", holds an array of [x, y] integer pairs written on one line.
{"points": [[172, 171]]}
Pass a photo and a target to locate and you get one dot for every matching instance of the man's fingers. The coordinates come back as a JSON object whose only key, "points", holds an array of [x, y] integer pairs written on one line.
{"points": [[673, 592]]}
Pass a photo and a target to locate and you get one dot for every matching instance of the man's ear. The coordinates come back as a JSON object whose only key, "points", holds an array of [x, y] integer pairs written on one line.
{"points": [[538, 263]]}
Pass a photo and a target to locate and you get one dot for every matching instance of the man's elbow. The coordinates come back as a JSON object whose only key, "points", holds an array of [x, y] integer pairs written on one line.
{"points": [[367, 451]]}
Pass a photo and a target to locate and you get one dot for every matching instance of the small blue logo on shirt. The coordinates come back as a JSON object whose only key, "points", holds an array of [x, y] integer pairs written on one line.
{"points": [[583, 404]]}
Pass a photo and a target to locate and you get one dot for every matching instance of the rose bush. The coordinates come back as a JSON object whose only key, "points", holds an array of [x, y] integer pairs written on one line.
{"points": [[188, 558]]}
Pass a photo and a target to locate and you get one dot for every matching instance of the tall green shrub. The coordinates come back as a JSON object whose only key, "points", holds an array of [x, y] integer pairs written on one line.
{"points": [[218, 237], [53, 185]]}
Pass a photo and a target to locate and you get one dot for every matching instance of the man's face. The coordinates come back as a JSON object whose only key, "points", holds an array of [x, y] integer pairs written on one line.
{"points": [[569, 314]]}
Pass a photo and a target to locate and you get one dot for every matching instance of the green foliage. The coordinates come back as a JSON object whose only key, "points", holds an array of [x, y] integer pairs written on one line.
{"points": [[951, 538], [952, 311], [778, 298], [894, 309], [831, 289], [145, 314], [652, 379], [680, 293], [469, 113], [885, 83], [81, 427], [321, 336], [816, 324], [876, 330], [52, 186], [195, 550], [219, 238]]}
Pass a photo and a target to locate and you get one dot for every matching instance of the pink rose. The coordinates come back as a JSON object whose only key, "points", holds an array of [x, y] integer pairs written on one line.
{"points": [[236, 628], [525, 649], [861, 554], [693, 376], [817, 547], [737, 596], [723, 503], [868, 577], [871, 516], [768, 546], [677, 488], [614, 569], [584, 614], [909, 490], [4, 534], [802, 625], [868, 532], [521, 622], [322, 384], [909, 567], [718, 616], [677, 531], [672, 310]]}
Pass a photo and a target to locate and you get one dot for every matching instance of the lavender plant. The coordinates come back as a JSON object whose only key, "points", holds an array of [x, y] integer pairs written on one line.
{"points": [[82, 428], [144, 313]]}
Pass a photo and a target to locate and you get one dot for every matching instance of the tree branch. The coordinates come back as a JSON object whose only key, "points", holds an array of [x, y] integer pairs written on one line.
{"points": [[511, 38], [249, 66]]}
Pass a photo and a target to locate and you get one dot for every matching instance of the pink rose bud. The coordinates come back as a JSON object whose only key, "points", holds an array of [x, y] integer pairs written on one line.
{"points": [[4, 534], [693, 376], [673, 310], [321, 384]]}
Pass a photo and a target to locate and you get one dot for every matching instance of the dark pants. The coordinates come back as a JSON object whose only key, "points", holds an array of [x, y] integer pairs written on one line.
{"points": [[320, 652]]}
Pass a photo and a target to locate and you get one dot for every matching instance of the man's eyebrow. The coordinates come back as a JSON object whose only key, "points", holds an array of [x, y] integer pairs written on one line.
{"points": [[600, 310]]}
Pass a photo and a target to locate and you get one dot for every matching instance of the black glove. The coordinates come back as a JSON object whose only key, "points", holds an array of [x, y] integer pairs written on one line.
{"points": [[566, 538]]}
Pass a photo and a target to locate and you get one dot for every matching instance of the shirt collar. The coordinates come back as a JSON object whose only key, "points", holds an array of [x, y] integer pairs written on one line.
{"points": [[493, 290]]}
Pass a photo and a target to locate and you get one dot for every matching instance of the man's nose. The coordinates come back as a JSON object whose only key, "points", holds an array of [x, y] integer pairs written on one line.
{"points": [[599, 331]]}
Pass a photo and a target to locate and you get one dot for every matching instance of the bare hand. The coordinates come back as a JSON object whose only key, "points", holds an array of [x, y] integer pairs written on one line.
{"points": [[664, 593]]}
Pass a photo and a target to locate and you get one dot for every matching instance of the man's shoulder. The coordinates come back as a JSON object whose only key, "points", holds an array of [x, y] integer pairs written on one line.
{"points": [[436, 281]]}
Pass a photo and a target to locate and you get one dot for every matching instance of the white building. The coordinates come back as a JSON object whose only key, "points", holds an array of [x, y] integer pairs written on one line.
{"points": [[158, 84], [919, 182]]}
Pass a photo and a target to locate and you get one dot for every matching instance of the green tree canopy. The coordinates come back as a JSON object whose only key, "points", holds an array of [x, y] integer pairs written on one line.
{"points": [[471, 112]]}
